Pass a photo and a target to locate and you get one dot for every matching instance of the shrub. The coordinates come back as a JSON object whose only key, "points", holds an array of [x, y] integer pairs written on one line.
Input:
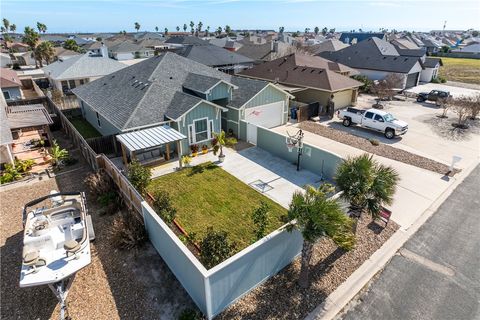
{"points": [[441, 79], [57, 153], [10, 174], [260, 220], [374, 142], [194, 148], [128, 231], [190, 314], [23, 166], [186, 160], [111, 202], [215, 248], [139, 176], [367, 83], [163, 206], [98, 182]]}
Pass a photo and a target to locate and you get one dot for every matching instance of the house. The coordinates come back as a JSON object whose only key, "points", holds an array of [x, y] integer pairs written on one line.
{"points": [[211, 55], [431, 45], [266, 52], [6, 138], [431, 66], [376, 59], [356, 37], [404, 43], [11, 85], [472, 48], [328, 45], [63, 54], [126, 50], [5, 60], [194, 100], [67, 74], [310, 79]]}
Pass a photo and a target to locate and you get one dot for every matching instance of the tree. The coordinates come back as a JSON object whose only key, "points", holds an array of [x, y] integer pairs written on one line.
{"points": [[324, 31], [199, 27], [445, 49], [185, 27], [71, 44], [57, 153], [228, 30], [316, 30], [218, 31], [475, 33], [99, 39], [41, 27], [388, 87], [178, 28], [6, 25], [31, 38], [45, 51], [281, 30], [156, 29], [260, 220], [366, 184], [445, 104], [367, 83], [215, 248], [163, 205], [192, 27], [296, 34], [139, 176], [474, 106], [315, 216], [208, 30], [137, 26], [13, 28], [166, 32], [307, 30], [222, 141], [331, 30]]}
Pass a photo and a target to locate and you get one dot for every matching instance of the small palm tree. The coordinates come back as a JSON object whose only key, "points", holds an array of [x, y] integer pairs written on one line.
{"points": [[315, 216], [366, 184], [44, 51], [13, 27], [178, 28], [156, 29], [221, 140], [137, 26], [192, 29], [57, 153], [185, 27]]}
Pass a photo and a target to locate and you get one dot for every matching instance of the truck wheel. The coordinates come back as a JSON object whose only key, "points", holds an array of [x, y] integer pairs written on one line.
{"points": [[420, 99], [389, 134], [347, 122]]}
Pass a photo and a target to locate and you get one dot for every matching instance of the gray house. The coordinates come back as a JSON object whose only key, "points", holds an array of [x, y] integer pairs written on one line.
{"points": [[10, 84], [192, 99]]}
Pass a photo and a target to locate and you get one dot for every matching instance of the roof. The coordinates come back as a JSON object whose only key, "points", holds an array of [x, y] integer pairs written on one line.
{"points": [[9, 78], [82, 66], [471, 48], [150, 91], [420, 52], [431, 43], [360, 36], [60, 51], [302, 70], [256, 51], [31, 115], [329, 45], [148, 138], [211, 55], [373, 54], [432, 62], [187, 40], [5, 132], [199, 83], [125, 46], [405, 44]]}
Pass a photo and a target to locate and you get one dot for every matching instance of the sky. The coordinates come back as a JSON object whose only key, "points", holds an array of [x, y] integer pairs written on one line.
{"points": [[113, 16]]}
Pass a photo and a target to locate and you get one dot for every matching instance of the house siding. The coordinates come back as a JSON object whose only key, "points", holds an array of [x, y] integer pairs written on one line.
{"points": [[201, 111], [312, 95], [105, 128], [220, 91]]}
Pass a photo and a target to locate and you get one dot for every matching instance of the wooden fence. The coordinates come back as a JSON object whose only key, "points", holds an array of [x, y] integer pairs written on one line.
{"points": [[104, 144]]}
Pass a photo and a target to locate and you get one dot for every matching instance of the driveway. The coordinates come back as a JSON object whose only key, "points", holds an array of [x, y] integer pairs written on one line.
{"points": [[455, 91], [427, 135]]}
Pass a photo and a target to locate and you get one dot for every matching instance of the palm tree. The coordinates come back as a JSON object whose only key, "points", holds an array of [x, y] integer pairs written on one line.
{"points": [[42, 28], [218, 31], [222, 141], [45, 51], [57, 153], [366, 184], [208, 30], [178, 28], [307, 30], [31, 38], [228, 30], [316, 30], [137, 26], [324, 31], [156, 29], [6, 25], [281, 29], [315, 216], [13, 27], [166, 31], [199, 27], [192, 29], [185, 27]]}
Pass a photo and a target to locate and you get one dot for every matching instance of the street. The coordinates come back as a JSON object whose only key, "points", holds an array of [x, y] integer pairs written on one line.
{"points": [[436, 275]]}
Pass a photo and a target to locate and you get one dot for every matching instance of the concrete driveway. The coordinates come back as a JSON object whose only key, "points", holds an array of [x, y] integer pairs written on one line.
{"points": [[454, 91], [428, 135]]}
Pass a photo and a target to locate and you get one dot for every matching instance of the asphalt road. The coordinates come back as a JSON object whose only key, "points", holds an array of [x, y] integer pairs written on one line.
{"points": [[436, 275]]}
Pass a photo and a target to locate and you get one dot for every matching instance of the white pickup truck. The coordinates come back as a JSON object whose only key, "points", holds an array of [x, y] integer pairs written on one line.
{"points": [[375, 120]]}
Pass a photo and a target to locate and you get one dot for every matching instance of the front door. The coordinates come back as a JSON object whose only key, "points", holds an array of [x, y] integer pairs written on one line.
{"points": [[251, 133]]}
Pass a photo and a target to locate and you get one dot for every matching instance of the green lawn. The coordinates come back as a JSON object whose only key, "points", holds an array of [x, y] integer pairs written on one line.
{"points": [[215, 198], [462, 70], [85, 128]]}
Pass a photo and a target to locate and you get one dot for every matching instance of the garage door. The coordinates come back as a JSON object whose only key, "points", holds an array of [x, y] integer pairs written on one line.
{"points": [[267, 115], [412, 80]]}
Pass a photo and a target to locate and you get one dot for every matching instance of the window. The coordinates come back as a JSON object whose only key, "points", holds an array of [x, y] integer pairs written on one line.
{"points": [[71, 84], [378, 118], [64, 86], [81, 81], [98, 119], [6, 94], [369, 115], [200, 131]]}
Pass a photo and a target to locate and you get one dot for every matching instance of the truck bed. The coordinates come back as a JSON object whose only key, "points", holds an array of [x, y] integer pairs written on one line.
{"points": [[355, 110]]}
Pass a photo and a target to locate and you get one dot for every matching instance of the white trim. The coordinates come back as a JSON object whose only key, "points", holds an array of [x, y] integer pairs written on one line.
{"points": [[205, 101], [269, 84], [216, 84], [192, 138]]}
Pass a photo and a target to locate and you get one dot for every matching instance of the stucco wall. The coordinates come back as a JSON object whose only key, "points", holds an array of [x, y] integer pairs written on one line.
{"points": [[342, 99]]}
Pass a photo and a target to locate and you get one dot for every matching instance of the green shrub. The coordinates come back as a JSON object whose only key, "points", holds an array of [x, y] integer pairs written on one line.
{"points": [[190, 314], [163, 206], [139, 176], [128, 231], [215, 248], [260, 220], [367, 83]]}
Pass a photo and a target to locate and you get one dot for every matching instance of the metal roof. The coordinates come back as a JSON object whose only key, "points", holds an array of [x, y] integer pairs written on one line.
{"points": [[148, 138]]}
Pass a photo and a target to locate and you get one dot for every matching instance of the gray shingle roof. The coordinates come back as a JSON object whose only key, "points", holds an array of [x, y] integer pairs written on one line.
{"points": [[187, 40], [211, 55], [82, 66], [432, 62], [147, 92], [199, 83], [125, 46]]}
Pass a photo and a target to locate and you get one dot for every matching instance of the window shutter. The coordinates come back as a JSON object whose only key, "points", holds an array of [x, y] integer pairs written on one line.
{"points": [[210, 130], [191, 136]]}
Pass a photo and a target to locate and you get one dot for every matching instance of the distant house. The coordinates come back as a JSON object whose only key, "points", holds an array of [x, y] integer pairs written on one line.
{"points": [[431, 67], [67, 74], [473, 48], [376, 59], [266, 52], [431, 45], [328, 45], [310, 79], [356, 37], [63, 54], [404, 43], [127, 50], [194, 100], [11, 85], [5, 60]]}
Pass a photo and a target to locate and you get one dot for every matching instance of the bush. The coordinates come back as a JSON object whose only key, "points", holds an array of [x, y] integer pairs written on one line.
{"points": [[139, 176], [98, 182], [128, 231], [163, 206], [374, 142], [111, 202], [367, 83], [260, 220], [190, 314], [13, 172], [215, 248]]}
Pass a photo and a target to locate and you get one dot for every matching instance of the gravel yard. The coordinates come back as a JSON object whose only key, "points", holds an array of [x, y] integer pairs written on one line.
{"points": [[380, 150], [281, 297], [116, 285]]}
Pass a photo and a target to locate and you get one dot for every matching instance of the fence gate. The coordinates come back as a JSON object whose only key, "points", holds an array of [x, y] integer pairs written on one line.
{"points": [[252, 133]]}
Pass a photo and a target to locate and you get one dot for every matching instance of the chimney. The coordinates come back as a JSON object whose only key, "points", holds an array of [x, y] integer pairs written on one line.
{"points": [[104, 51]]}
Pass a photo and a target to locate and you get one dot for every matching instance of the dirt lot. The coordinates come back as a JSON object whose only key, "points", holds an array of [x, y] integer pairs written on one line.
{"points": [[116, 285], [462, 70]]}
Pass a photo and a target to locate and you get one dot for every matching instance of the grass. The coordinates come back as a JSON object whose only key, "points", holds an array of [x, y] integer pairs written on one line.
{"points": [[461, 70], [85, 128], [206, 195]]}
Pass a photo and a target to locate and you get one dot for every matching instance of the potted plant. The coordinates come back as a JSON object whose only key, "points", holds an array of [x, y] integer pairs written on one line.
{"points": [[186, 160], [222, 141], [194, 149], [204, 149]]}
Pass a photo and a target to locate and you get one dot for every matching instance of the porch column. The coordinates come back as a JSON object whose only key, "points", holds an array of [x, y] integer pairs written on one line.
{"points": [[124, 155], [10, 154], [179, 151], [167, 151]]}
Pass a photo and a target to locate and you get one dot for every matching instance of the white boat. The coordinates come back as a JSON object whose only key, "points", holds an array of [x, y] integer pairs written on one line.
{"points": [[56, 243]]}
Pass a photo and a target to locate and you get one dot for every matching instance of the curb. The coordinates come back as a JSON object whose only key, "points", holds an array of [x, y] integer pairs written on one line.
{"points": [[340, 298]]}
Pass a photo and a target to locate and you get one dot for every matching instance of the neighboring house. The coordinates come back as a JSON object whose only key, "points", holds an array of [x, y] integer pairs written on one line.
{"points": [[128, 50], [473, 48], [356, 37], [63, 54], [19, 47], [431, 67], [67, 74], [432, 46], [404, 43], [6, 138], [191, 98], [5, 60], [310, 79], [376, 59], [328, 45], [211, 55], [266, 52], [11, 85], [58, 40]]}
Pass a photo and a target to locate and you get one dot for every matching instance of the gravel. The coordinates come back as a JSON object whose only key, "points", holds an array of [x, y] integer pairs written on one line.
{"points": [[382, 150], [282, 298], [116, 285]]}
